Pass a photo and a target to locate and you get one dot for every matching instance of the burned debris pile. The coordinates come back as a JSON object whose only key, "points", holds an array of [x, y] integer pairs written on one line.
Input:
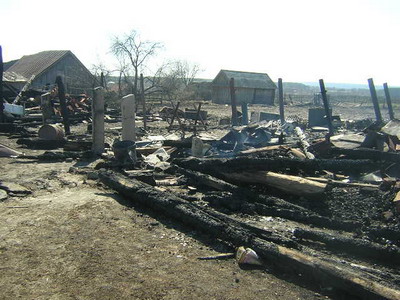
{"points": [[323, 202]]}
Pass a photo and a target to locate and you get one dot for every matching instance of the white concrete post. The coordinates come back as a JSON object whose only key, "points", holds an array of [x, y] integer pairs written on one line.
{"points": [[98, 121], [128, 118]]}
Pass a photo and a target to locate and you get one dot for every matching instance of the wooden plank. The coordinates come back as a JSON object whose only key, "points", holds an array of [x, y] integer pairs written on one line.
{"points": [[289, 184]]}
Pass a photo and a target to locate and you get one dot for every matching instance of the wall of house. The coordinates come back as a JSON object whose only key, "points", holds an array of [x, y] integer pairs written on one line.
{"points": [[75, 77]]}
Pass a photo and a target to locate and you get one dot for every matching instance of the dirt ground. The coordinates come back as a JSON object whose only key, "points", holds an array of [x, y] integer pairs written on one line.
{"points": [[73, 239]]}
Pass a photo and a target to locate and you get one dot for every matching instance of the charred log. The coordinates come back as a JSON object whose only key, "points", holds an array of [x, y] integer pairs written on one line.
{"points": [[354, 246], [292, 166], [320, 271]]}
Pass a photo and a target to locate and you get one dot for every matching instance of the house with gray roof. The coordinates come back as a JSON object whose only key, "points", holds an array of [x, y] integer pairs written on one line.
{"points": [[45, 66], [250, 87]]}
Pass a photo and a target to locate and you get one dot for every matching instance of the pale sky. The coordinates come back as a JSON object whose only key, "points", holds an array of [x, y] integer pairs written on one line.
{"points": [[345, 41]]}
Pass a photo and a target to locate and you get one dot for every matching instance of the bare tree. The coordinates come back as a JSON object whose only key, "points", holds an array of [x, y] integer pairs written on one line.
{"points": [[131, 48], [99, 70], [177, 77], [186, 71]]}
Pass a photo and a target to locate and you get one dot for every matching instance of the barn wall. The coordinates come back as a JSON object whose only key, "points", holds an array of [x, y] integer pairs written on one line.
{"points": [[244, 95], [262, 96], [222, 95], [75, 77]]}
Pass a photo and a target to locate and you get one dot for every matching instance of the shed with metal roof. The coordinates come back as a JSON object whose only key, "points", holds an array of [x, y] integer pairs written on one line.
{"points": [[250, 87]]}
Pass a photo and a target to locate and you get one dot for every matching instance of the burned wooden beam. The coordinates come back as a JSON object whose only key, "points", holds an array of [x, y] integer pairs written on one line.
{"points": [[323, 272], [277, 209], [375, 101], [388, 101], [281, 104], [143, 99], [235, 121], [42, 144], [365, 153], [359, 247], [214, 166], [326, 106], [245, 195]]}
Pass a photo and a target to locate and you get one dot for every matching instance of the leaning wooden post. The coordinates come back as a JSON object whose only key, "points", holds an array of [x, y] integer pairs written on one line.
{"points": [[245, 114], [98, 121], [233, 102], [281, 107], [388, 101], [1, 87], [326, 106], [143, 101], [128, 118], [375, 102], [63, 104]]}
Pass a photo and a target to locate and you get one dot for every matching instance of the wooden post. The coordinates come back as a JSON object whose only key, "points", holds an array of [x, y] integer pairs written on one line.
{"points": [[233, 102], [128, 118], [63, 104], [143, 101], [245, 114], [281, 107], [326, 106], [197, 117], [174, 115], [47, 109], [98, 121], [1, 87], [374, 98], [102, 80], [388, 101]]}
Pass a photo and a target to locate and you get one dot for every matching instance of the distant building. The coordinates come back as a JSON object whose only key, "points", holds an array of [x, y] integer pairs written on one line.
{"points": [[46, 66], [252, 88]]}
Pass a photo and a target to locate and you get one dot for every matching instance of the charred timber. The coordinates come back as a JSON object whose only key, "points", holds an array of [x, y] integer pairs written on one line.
{"points": [[293, 166], [353, 246], [303, 215], [313, 268], [35, 143], [371, 154], [243, 193]]}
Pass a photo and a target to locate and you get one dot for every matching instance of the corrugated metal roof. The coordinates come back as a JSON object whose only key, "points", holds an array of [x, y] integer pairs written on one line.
{"points": [[37, 63], [250, 79]]}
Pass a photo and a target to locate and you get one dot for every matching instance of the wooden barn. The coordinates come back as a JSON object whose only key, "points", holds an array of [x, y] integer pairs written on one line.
{"points": [[252, 88], [45, 66]]}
